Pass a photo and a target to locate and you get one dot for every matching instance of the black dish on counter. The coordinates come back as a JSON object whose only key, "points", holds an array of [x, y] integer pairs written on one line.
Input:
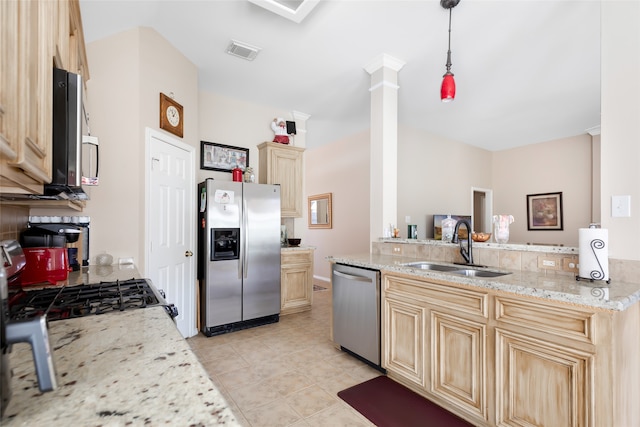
{"points": [[294, 242]]}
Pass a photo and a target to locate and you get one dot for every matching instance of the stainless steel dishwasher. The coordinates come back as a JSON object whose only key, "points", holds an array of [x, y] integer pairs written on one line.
{"points": [[356, 311]]}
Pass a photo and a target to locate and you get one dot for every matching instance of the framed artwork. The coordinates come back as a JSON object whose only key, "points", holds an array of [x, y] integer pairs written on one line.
{"points": [[223, 158], [544, 211], [437, 226]]}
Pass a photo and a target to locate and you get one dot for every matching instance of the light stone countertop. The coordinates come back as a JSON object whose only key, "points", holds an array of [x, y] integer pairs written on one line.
{"points": [[560, 288], [296, 248], [120, 368]]}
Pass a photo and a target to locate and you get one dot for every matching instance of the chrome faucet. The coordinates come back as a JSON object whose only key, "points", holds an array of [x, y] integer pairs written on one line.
{"points": [[467, 254]]}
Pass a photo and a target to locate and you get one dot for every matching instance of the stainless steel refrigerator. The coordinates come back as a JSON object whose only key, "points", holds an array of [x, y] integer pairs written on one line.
{"points": [[238, 255]]}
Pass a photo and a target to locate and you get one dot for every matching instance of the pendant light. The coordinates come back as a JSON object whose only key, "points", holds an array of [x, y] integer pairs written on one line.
{"points": [[448, 89]]}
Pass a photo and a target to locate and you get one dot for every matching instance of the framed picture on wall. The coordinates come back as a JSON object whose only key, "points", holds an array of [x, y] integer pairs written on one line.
{"points": [[544, 211], [223, 158]]}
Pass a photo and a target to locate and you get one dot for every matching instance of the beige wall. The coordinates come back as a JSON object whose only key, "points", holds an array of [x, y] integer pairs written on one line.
{"points": [[340, 168], [235, 122], [435, 176], [620, 148], [562, 165]]}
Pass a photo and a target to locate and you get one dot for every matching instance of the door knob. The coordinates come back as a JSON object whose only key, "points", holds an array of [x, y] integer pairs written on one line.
{"points": [[188, 253]]}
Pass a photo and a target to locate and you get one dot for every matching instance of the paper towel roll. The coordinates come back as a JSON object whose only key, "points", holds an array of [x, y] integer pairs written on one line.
{"points": [[593, 244]]}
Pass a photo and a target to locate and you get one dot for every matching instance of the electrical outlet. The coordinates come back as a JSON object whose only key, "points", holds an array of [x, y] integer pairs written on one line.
{"points": [[570, 264], [407, 219], [549, 263]]}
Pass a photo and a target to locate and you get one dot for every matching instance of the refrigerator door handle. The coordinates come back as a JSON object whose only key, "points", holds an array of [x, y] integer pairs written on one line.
{"points": [[245, 241]]}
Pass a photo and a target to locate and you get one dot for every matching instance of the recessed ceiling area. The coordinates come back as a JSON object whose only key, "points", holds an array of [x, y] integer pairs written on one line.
{"points": [[295, 10]]}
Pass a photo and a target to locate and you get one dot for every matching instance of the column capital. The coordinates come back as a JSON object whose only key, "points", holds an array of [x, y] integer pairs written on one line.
{"points": [[384, 61]]}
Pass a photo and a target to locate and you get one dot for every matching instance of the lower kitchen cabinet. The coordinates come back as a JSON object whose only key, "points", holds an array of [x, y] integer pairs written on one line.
{"points": [[541, 384], [545, 360], [296, 279], [435, 340], [404, 339], [500, 359]]}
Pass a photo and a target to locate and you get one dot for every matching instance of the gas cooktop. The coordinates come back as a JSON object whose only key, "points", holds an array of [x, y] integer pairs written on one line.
{"points": [[84, 300]]}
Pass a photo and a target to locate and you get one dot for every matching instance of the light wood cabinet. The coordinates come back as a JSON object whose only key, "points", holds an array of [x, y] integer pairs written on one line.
{"points": [[499, 359], [34, 36], [404, 339], [545, 359], [435, 337], [282, 164], [296, 279]]}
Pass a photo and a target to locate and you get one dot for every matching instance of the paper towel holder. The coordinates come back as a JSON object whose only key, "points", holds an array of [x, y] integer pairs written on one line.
{"points": [[590, 279]]}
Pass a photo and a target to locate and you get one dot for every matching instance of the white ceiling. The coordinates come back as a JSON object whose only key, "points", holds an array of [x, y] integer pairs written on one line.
{"points": [[526, 71]]}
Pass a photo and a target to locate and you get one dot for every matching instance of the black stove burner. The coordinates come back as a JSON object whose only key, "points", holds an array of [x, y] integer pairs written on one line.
{"points": [[78, 301]]}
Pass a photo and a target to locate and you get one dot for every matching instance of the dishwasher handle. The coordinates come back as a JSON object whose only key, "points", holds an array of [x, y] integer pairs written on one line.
{"points": [[352, 276]]}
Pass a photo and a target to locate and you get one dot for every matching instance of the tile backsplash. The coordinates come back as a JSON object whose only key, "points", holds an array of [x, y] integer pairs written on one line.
{"points": [[13, 219], [554, 260]]}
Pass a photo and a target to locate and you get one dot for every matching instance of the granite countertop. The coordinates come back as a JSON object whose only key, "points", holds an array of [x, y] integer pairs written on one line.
{"points": [[120, 368], [560, 288], [296, 248]]}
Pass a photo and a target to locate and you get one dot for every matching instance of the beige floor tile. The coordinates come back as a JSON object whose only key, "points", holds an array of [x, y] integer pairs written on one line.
{"points": [[337, 416], [289, 382], [242, 377], [287, 373], [253, 395], [311, 400], [274, 414]]}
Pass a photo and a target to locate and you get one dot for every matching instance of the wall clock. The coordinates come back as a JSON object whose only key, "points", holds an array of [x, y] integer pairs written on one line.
{"points": [[171, 118]]}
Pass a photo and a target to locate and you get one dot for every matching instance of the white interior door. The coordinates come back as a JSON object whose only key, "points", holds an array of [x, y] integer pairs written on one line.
{"points": [[170, 231]]}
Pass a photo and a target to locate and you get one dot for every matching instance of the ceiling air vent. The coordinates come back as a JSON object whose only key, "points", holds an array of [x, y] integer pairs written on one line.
{"points": [[242, 50]]}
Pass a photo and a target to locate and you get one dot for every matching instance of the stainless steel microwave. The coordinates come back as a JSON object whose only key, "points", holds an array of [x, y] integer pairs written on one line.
{"points": [[68, 128]]}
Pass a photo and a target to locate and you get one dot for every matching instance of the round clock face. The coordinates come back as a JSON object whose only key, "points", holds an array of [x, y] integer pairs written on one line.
{"points": [[173, 115]]}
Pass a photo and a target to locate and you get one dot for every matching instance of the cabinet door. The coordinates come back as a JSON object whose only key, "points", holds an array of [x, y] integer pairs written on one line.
{"points": [[542, 384], [297, 288], [8, 80], [458, 354], [77, 53], [36, 59], [403, 351], [282, 164], [61, 48]]}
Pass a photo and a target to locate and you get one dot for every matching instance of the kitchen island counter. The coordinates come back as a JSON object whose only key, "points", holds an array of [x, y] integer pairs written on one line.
{"points": [[120, 368], [555, 287]]}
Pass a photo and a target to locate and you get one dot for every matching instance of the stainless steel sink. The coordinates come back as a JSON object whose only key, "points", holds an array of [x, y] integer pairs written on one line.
{"points": [[423, 265], [455, 269], [480, 273]]}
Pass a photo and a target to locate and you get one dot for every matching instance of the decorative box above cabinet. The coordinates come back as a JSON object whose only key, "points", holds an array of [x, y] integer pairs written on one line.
{"points": [[282, 164]]}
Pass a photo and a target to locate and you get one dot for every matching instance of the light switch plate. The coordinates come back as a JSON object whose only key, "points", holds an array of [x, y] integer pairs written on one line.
{"points": [[620, 206]]}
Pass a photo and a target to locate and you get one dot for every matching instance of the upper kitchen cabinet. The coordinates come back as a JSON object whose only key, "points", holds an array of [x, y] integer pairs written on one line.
{"points": [[34, 36], [282, 164], [77, 53]]}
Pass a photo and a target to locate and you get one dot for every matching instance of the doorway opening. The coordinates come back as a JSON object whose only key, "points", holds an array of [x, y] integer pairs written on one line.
{"points": [[481, 209]]}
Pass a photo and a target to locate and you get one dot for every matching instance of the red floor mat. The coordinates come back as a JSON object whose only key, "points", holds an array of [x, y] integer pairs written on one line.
{"points": [[388, 404]]}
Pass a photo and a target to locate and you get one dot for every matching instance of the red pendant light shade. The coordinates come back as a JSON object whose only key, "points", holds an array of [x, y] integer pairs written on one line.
{"points": [[448, 89]]}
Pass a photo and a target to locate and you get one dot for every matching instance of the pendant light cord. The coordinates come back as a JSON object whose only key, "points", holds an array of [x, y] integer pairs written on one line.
{"points": [[448, 65]]}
